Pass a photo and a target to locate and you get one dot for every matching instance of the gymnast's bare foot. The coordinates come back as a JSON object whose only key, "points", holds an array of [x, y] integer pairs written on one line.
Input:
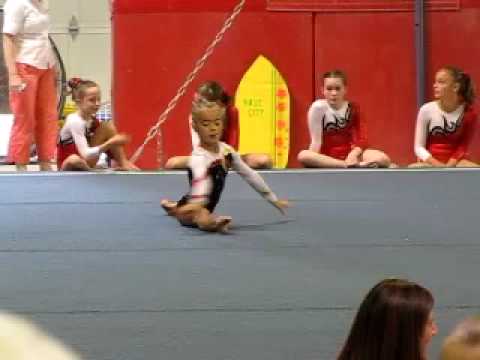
{"points": [[369, 165], [127, 166], [222, 224], [169, 206]]}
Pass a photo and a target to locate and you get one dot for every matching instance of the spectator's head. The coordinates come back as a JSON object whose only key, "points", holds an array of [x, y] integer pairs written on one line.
{"points": [[464, 341], [21, 340], [394, 322]]}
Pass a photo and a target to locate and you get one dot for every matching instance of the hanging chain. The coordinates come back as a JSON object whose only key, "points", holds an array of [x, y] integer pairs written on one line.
{"points": [[156, 129]]}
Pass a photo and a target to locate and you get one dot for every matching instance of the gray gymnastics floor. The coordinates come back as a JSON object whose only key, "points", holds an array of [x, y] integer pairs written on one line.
{"points": [[92, 258]]}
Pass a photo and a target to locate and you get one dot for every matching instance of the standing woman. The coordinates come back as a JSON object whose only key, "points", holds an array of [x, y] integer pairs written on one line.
{"points": [[445, 127], [30, 60]]}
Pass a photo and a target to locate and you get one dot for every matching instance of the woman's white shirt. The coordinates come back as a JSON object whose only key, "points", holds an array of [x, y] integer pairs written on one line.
{"points": [[28, 22]]}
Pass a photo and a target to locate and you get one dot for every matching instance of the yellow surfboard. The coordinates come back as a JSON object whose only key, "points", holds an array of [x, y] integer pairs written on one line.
{"points": [[263, 102], [69, 108]]}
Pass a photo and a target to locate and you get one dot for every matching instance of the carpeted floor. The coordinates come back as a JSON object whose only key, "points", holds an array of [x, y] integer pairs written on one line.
{"points": [[92, 258]]}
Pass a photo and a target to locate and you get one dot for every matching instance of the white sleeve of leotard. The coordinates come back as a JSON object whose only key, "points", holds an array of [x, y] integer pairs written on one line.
{"points": [[77, 128], [201, 183], [252, 177], [421, 133], [193, 133], [315, 125]]}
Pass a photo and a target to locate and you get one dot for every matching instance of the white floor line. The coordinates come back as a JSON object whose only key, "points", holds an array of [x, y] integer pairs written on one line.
{"points": [[6, 170]]}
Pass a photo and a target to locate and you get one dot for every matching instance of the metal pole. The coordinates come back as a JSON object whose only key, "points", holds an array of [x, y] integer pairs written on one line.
{"points": [[420, 50]]}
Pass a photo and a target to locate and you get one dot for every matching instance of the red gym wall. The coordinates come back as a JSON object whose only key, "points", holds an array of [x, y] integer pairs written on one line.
{"points": [[156, 44]]}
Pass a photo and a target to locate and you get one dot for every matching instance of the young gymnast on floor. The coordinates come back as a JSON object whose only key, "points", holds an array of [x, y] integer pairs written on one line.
{"points": [[208, 167], [83, 138], [214, 92], [337, 131], [445, 127]]}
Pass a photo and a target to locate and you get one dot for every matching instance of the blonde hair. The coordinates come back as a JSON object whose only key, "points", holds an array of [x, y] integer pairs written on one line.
{"points": [[21, 340], [201, 106], [464, 341]]}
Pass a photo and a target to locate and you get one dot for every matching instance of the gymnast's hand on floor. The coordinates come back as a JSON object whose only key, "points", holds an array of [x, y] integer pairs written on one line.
{"points": [[281, 205]]}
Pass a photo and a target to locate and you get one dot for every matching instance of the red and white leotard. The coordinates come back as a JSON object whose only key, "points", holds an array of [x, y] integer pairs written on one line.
{"points": [[335, 132], [231, 132], [443, 135], [74, 138]]}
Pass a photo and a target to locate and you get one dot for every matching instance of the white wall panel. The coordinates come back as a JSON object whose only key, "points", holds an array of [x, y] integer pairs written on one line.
{"points": [[88, 54]]}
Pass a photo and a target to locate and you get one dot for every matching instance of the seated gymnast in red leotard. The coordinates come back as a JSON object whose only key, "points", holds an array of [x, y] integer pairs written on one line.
{"points": [[212, 91], [83, 138], [445, 127], [337, 131]]}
